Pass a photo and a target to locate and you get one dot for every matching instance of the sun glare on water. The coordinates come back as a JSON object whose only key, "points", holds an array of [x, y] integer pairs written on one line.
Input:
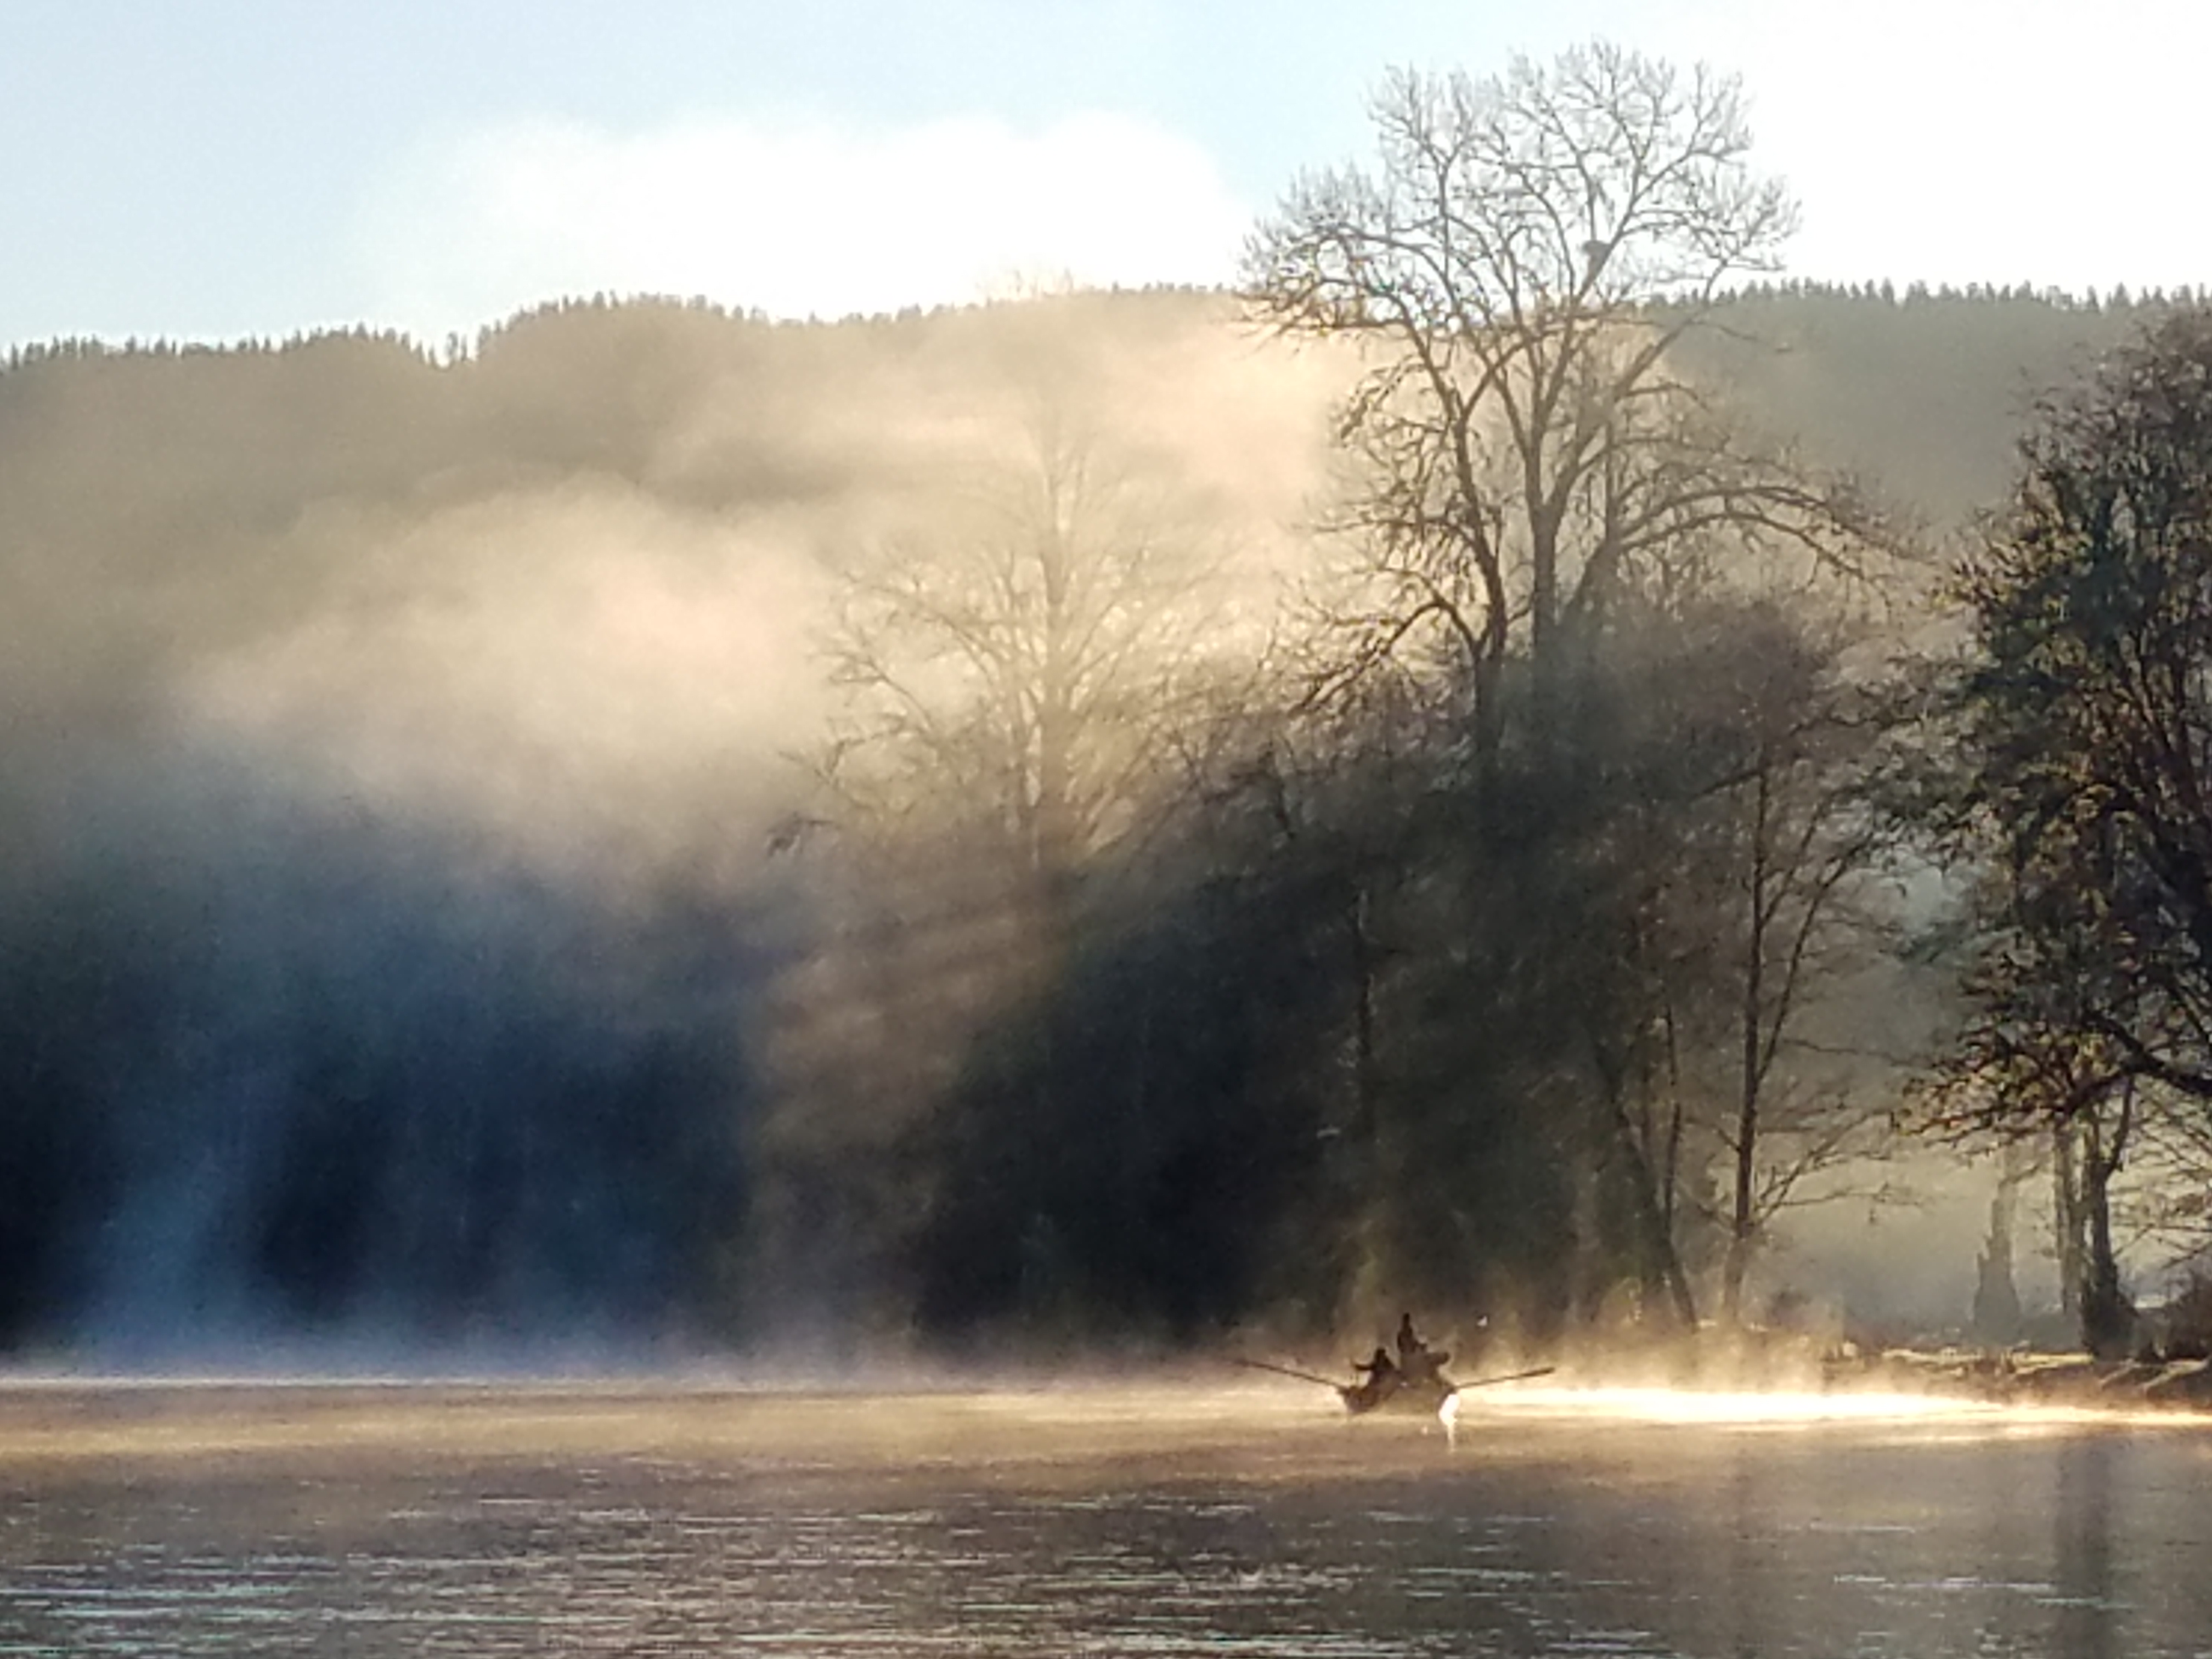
{"points": [[1806, 1408], [1698, 1406], [1719, 1408]]}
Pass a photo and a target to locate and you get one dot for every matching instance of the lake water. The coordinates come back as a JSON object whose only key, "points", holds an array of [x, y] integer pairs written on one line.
{"points": [[414, 1519]]}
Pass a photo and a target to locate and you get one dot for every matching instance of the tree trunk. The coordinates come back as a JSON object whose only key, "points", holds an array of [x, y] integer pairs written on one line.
{"points": [[1997, 1295], [2066, 1213], [1366, 1127], [1548, 671], [1660, 1263], [1743, 1220], [2107, 1319], [1366, 1187]]}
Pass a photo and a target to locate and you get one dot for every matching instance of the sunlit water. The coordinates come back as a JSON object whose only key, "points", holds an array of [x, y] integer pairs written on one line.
{"points": [[411, 1519]]}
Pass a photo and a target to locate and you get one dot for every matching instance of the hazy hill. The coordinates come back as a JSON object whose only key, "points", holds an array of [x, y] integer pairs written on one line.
{"points": [[589, 551], [1925, 394], [158, 501]]}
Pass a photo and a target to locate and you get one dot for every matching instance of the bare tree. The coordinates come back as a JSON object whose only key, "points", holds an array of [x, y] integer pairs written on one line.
{"points": [[1015, 658], [1740, 869], [2077, 793], [1809, 851], [1017, 664], [1516, 271]]}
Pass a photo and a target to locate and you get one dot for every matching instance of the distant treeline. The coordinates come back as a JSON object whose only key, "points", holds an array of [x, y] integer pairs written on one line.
{"points": [[457, 347]]}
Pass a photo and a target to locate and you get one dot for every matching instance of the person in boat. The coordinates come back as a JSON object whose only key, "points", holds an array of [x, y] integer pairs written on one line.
{"points": [[1417, 1363], [1379, 1380]]}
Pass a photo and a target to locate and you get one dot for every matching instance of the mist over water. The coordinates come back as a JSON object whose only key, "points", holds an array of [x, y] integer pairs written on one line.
{"points": [[1189, 1520]]}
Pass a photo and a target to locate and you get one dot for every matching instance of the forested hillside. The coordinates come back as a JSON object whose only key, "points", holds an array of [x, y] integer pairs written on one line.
{"points": [[654, 825]]}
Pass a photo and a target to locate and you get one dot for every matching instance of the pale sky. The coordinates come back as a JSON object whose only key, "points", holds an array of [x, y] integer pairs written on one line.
{"points": [[219, 168]]}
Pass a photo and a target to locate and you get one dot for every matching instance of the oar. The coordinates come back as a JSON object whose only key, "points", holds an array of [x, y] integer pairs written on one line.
{"points": [[1286, 1370], [1516, 1376]]}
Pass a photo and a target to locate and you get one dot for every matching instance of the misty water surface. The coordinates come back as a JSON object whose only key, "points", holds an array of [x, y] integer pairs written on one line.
{"points": [[415, 1519]]}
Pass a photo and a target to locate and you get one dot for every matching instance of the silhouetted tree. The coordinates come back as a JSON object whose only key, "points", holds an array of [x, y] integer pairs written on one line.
{"points": [[2087, 720], [1024, 666], [1810, 848], [1018, 661], [1524, 442]]}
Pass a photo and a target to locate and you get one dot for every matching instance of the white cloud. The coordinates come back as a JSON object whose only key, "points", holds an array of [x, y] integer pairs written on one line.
{"points": [[1993, 141], [795, 218]]}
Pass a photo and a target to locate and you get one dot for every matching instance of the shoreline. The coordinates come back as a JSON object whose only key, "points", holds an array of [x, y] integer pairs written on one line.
{"points": [[2008, 1378]]}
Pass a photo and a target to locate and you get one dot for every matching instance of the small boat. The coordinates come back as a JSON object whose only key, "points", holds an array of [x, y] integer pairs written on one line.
{"points": [[1414, 1385], [1396, 1394], [1399, 1396]]}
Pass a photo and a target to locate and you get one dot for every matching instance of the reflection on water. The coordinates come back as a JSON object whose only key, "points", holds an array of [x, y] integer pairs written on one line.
{"points": [[417, 1520], [2081, 1521]]}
